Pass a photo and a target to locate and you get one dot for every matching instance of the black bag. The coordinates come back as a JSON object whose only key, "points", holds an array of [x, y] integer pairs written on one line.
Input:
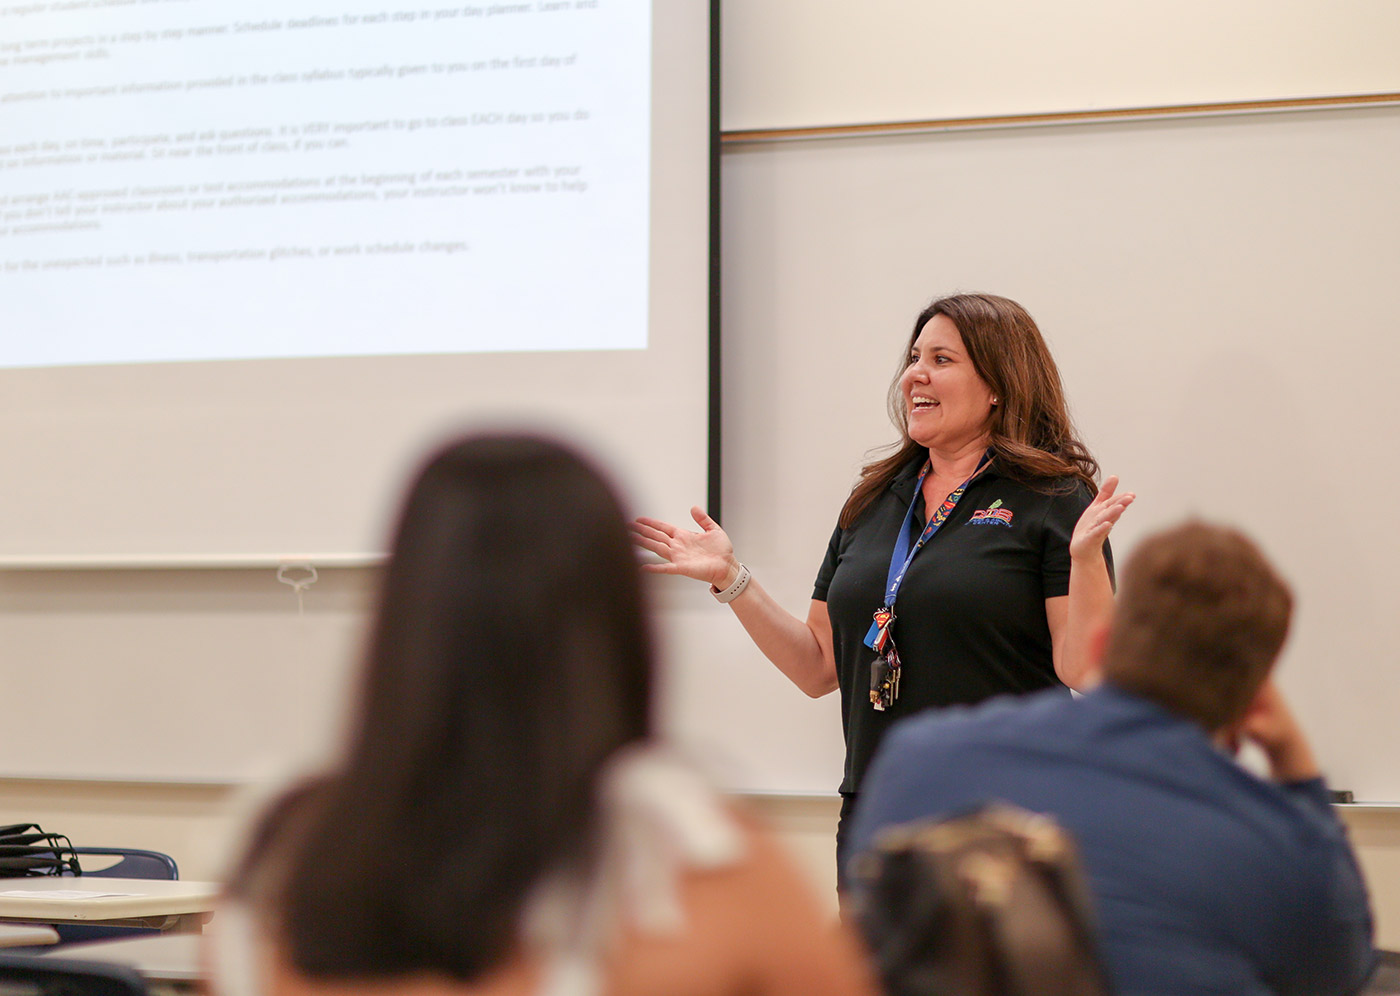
{"points": [[988, 903], [26, 850]]}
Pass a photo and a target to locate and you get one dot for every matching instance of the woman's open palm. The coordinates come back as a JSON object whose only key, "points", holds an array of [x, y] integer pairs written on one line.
{"points": [[1098, 520], [706, 555]]}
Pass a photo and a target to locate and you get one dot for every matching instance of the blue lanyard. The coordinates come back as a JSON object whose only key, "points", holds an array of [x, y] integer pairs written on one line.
{"points": [[902, 556]]}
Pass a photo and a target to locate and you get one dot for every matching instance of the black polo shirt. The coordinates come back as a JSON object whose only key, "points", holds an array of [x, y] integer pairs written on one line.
{"points": [[970, 619]]}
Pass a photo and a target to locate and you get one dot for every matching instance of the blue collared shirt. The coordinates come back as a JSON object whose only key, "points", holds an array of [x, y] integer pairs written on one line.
{"points": [[1206, 879]]}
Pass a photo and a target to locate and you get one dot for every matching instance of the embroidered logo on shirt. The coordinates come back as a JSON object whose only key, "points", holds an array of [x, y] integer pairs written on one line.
{"points": [[992, 515]]}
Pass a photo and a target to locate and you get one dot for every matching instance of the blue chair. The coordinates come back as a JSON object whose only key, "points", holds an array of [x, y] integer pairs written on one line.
{"points": [[66, 977], [132, 863]]}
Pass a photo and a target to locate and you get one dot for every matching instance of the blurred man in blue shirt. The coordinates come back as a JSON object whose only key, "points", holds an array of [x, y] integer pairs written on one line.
{"points": [[1206, 878]]}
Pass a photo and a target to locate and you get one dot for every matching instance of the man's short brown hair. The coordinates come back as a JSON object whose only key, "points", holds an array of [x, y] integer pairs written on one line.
{"points": [[1201, 617]]}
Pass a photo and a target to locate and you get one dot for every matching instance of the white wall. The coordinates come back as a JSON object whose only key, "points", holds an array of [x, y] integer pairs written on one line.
{"points": [[1217, 293], [795, 63], [130, 627]]}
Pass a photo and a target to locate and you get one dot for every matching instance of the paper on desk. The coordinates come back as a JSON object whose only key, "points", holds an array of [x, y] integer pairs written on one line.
{"points": [[62, 894]]}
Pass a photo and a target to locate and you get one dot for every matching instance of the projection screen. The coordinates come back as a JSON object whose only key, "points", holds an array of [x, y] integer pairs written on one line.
{"points": [[255, 257]]}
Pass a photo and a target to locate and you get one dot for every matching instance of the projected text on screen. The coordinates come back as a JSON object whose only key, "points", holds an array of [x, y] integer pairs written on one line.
{"points": [[204, 179]]}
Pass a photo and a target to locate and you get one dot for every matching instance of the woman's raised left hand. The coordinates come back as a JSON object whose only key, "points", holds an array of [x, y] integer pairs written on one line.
{"points": [[1097, 521]]}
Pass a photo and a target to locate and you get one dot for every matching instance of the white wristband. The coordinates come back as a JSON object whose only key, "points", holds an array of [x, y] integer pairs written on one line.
{"points": [[734, 590]]}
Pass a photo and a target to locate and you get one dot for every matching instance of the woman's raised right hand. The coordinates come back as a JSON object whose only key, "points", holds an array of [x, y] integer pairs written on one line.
{"points": [[705, 556]]}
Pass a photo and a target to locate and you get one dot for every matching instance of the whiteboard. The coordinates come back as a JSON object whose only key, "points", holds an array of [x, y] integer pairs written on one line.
{"points": [[130, 234], [1220, 294], [798, 63]]}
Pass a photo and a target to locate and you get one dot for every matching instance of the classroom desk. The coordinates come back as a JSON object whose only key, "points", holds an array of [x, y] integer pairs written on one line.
{"points": [[179, 905], [26, 935]]}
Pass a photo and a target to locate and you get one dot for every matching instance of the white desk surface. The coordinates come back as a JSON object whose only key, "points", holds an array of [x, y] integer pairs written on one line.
{"points": [[23, 935], [160, 957], [141, 898]]}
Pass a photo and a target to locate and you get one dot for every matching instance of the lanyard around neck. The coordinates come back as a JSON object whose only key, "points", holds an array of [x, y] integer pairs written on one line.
{"points": [[902, 556]]}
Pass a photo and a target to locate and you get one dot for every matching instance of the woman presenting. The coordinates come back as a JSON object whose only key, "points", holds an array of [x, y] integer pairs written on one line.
{"points": [[969, 563]]}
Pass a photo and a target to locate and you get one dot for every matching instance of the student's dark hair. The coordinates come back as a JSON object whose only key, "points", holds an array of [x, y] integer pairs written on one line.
{"points": [[1031, 432], [1200, 619], [509, 660]]}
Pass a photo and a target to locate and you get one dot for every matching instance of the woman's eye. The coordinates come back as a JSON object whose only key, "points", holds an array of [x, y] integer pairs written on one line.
{"points": [[940, 359], [913, 358]]}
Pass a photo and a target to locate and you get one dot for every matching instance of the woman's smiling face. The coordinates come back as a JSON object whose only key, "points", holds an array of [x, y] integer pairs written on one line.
{"points": [[947, 401]]}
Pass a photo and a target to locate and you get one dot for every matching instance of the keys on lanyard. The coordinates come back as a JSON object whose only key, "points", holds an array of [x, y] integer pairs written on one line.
{"points": [[885, 668]]}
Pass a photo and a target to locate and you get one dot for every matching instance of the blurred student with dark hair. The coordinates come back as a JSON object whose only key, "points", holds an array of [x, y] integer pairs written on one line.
{"points": [[1207, 879], [502, 820]]}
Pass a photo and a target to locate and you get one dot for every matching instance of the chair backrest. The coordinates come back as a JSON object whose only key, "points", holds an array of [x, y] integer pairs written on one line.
{"points": [[26, 975], [133, 863]]}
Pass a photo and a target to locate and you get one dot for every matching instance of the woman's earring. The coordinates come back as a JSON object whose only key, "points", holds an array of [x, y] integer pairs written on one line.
{"points": [[994, 401]]}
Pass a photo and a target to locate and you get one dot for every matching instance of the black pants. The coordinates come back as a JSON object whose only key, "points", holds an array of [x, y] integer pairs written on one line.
{"points": [[843, 840]]}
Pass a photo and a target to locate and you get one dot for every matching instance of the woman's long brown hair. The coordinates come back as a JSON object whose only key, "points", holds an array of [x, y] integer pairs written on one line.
{"points": [[1031, 433], [509, 661]]}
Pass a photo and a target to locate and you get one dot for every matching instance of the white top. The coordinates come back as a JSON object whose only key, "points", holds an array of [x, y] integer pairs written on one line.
{"points": [[660, 819], [166, 957], [23, 935]]}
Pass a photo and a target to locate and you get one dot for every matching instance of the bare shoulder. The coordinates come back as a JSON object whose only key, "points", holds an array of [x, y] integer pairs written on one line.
{"points": [[753, 926]]}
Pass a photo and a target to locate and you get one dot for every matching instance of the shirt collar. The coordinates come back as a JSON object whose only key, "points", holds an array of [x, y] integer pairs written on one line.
{"points": [[1131, 702], [902, 485]]}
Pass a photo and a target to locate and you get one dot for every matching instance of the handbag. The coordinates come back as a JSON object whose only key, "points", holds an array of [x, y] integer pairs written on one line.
{"points": [[26, 850], [991, 902]]}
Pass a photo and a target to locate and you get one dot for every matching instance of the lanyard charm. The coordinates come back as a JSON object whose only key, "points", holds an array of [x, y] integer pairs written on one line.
{"points": [[879, 634]]}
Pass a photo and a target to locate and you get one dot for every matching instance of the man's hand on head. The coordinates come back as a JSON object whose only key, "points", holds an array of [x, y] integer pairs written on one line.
{"points": [[1270, 723]]}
